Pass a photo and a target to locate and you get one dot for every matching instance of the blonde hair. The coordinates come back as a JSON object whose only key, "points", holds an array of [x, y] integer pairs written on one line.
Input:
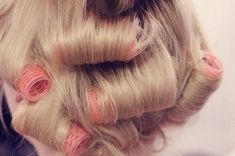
{"points": [[83, 45]]}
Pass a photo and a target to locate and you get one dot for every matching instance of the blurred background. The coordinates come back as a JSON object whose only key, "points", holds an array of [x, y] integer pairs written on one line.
{"points": [[212, 132]]}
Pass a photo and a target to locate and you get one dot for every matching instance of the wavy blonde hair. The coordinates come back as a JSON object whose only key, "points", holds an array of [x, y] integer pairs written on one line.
{"points": [[83, 44]]}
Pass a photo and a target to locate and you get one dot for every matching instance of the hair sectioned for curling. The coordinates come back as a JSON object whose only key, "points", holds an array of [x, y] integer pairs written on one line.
{"points": [[113, 71]]}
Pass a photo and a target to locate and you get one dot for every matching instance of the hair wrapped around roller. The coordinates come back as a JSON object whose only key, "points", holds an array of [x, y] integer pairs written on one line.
{"points": [[107, 72]]}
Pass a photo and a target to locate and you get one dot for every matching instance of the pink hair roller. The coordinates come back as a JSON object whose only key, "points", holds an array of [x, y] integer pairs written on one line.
{"points": [[96, 116], [34, 83], [212, 66], [77, 141]]}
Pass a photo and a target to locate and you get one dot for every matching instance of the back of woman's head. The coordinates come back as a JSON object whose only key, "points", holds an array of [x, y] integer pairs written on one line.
{"points": [[98, 76]]}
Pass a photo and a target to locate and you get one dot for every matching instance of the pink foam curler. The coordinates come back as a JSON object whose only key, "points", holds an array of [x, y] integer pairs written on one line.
{"points": [[212, 66], [77, 141], [34, 83], [96, 116]]}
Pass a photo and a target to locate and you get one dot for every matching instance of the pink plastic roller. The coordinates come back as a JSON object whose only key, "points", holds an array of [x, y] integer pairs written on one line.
{"points": [[34, 83], [212, 66], [77, 141]]}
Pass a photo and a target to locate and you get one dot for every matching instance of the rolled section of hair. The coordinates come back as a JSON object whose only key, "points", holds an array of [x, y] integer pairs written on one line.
{"points": [[25, 119], [202, 82], [97, 41], [123, 97], [69, 138]]}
